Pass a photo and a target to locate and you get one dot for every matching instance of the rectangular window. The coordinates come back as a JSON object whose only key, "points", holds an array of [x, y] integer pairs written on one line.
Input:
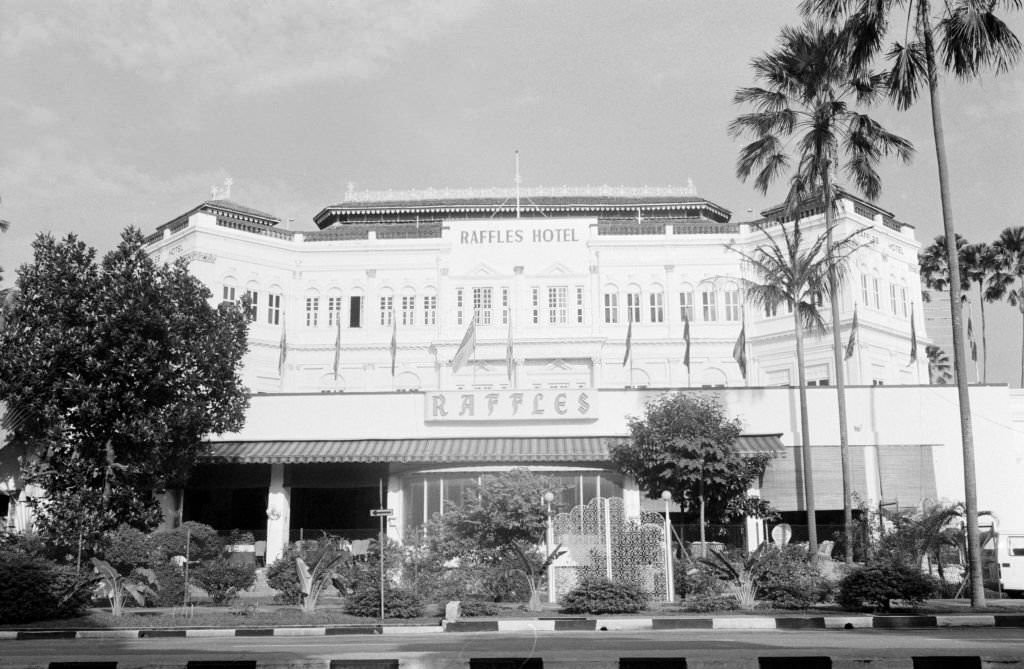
{"points": [[709, 305], [535, 305], [876, 293], [732, 305], [579, 305], [657, 304], [482, 305], [312, 312], [864, 290], [633, 306], [558, 304], [904, 307], [686, 306], [334, 311], [506, 306], [893, 303], [387, 310], [611, 307], [408, 309], [355, 311], [429, 309], [228, 294], [771, 310], [274, 309], [460, 305], [252, 298]]}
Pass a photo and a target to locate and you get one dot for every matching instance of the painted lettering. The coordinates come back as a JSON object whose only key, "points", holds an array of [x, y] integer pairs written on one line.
{"points": [[437, 405], [537, 399], [492, 401], [560, 402], [582, 405], [467, 406], [464, 237], [517, 401]]}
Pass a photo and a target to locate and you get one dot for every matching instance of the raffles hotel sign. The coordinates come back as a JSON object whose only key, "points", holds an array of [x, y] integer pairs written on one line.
{"points": [[511, 405]]}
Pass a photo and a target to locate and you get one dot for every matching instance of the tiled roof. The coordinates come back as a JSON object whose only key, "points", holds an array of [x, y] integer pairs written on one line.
{"points": [[503, 449]]}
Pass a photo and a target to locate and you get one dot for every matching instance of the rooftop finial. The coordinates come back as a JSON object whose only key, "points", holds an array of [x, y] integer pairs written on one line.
{"points": [[222, 192]]}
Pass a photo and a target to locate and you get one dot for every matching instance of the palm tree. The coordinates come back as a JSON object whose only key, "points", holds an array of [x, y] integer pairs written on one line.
{"points": [[1009, 252], [805, 99], [939, 373], [980, 262], [798, 273], [964, 38]]}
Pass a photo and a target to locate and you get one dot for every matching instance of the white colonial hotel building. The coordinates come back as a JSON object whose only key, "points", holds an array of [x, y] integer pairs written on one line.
{"points": [[355, 325]]}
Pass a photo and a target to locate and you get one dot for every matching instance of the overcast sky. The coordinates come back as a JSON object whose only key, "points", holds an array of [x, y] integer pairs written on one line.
{"points": [[126, 113]]}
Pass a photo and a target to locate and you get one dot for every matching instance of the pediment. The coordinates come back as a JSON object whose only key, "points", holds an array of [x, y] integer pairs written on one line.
{"points": [[482, 269]]}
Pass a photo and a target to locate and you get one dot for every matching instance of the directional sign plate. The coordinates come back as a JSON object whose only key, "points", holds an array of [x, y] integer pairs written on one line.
{"points": [[382, 512]]}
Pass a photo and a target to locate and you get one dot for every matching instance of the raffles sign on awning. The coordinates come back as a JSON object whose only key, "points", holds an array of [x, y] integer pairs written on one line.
{"points": [[511, 405]]}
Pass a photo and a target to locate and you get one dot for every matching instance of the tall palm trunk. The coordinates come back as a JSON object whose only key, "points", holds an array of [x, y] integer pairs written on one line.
{"points": [[837, 357], [960, 364], [984, 336], [805, 436]]}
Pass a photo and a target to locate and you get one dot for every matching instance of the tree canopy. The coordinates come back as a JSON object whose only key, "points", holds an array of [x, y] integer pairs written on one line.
{"points": [[685, 444], [119, 368]]}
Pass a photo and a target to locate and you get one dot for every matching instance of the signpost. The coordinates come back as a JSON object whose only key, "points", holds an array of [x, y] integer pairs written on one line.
{"points": [[383, 514]]}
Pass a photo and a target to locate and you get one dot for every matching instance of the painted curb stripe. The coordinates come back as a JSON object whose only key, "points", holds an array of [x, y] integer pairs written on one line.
{"points": [[683, 623], [575, 625], [800, 623], [254, 631], [854, 622], [352, 629], [107, 634], [471, 626], [209, 633], [965, 621], [902, 622], [48, 634], [750, 623], [615, 624], [158, 634], [412, 629], [299, 631], [1009, 621]]}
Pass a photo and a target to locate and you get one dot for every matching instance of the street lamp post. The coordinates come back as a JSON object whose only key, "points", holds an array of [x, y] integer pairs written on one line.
{"points": [[670, 586], [549, 540]]}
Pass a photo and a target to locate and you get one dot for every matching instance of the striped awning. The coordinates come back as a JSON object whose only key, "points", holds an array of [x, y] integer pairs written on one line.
{"points": [[471, 449]]}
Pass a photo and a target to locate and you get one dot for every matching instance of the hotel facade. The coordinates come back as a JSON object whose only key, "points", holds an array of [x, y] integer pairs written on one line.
{"points": [[583, 304]]}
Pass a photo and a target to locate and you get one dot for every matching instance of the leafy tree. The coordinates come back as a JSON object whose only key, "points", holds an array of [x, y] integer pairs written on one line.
{"points": [[963, 37], [806, 105], [1008, 279], [503, 515], [684, 444], [120, 367], [939, 373], [4, 225], [790, 270]]}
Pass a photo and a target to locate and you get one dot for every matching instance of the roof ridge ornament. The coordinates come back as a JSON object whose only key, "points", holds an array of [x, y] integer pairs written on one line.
{"points": [[222, 192]]}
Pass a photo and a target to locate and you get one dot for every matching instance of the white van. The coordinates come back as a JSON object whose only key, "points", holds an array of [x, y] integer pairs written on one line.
{"points": [[1009, 555]]}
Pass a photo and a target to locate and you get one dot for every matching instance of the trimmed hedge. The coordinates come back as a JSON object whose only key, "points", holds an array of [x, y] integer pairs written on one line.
{"points": [[398, 603], [222, 580], [872, 587], [599, 595], [34, 589]]}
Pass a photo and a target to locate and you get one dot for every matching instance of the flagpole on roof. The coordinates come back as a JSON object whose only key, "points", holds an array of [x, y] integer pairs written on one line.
{"points": [[518, 181]]}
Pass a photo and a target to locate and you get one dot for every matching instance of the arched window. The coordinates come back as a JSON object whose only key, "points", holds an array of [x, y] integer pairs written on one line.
{"points": [[611, 303], [708, 303], [656, 303], [686, 302], [312, 300]]}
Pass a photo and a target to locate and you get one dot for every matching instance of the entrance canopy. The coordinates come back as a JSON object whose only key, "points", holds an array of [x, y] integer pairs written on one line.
{"points": [[502, 449]]}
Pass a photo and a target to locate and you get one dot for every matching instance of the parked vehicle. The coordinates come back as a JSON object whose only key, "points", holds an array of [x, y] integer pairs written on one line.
{"points": [[1007, 550]]}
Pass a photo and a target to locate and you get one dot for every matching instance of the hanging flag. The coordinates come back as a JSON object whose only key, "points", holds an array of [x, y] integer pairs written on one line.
{"points": [[971, 341], [467, 348], [913, 337], [686, 339], [337, 343], [508, 349], [852, 343], [284, 348], [629, 337], [739, 350], [394, 341]]}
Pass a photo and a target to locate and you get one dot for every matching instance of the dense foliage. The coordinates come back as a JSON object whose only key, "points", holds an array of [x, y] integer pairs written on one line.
{"points": [[685, 444], [398, 603], [222, 580], [599, 595], [874, 586], [121, 368], [33, 588], [787, 581]]}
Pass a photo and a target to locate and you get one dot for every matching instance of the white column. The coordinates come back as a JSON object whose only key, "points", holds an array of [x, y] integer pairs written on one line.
{"points": [[394, 502], [278, 513]]}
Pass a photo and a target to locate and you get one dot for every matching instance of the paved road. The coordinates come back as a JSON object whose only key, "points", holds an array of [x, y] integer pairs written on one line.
{"points": [[596, 647]]}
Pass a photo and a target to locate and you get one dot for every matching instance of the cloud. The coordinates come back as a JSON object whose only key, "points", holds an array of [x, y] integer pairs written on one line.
{"points": [[251, 47], [33, 115]]}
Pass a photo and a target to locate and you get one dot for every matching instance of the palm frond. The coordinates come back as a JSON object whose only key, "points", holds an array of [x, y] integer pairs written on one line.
{"points": [[972, 37], [909, 73]]}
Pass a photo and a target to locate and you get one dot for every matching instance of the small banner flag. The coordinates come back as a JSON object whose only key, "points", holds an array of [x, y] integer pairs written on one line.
{"points": [[852, 343], [629, 337], [283, 355], [971, 341], [913, 338], [394, 341], [337, 343], [467, 348], [686, 339], [509, 361], [739, 350]]}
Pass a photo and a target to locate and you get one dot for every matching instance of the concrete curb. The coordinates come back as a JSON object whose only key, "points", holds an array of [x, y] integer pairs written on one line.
{"points": [[520, 625]]}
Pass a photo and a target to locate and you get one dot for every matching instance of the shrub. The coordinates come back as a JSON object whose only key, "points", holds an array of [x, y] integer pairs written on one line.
{"points": [[281, 576], [32, 588], [599, 595], [398, 603], [873, 587], [222, 580], [170, 590], [471, 608], [125, 548], [704, 603], [787, 580], [204, 543]]}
